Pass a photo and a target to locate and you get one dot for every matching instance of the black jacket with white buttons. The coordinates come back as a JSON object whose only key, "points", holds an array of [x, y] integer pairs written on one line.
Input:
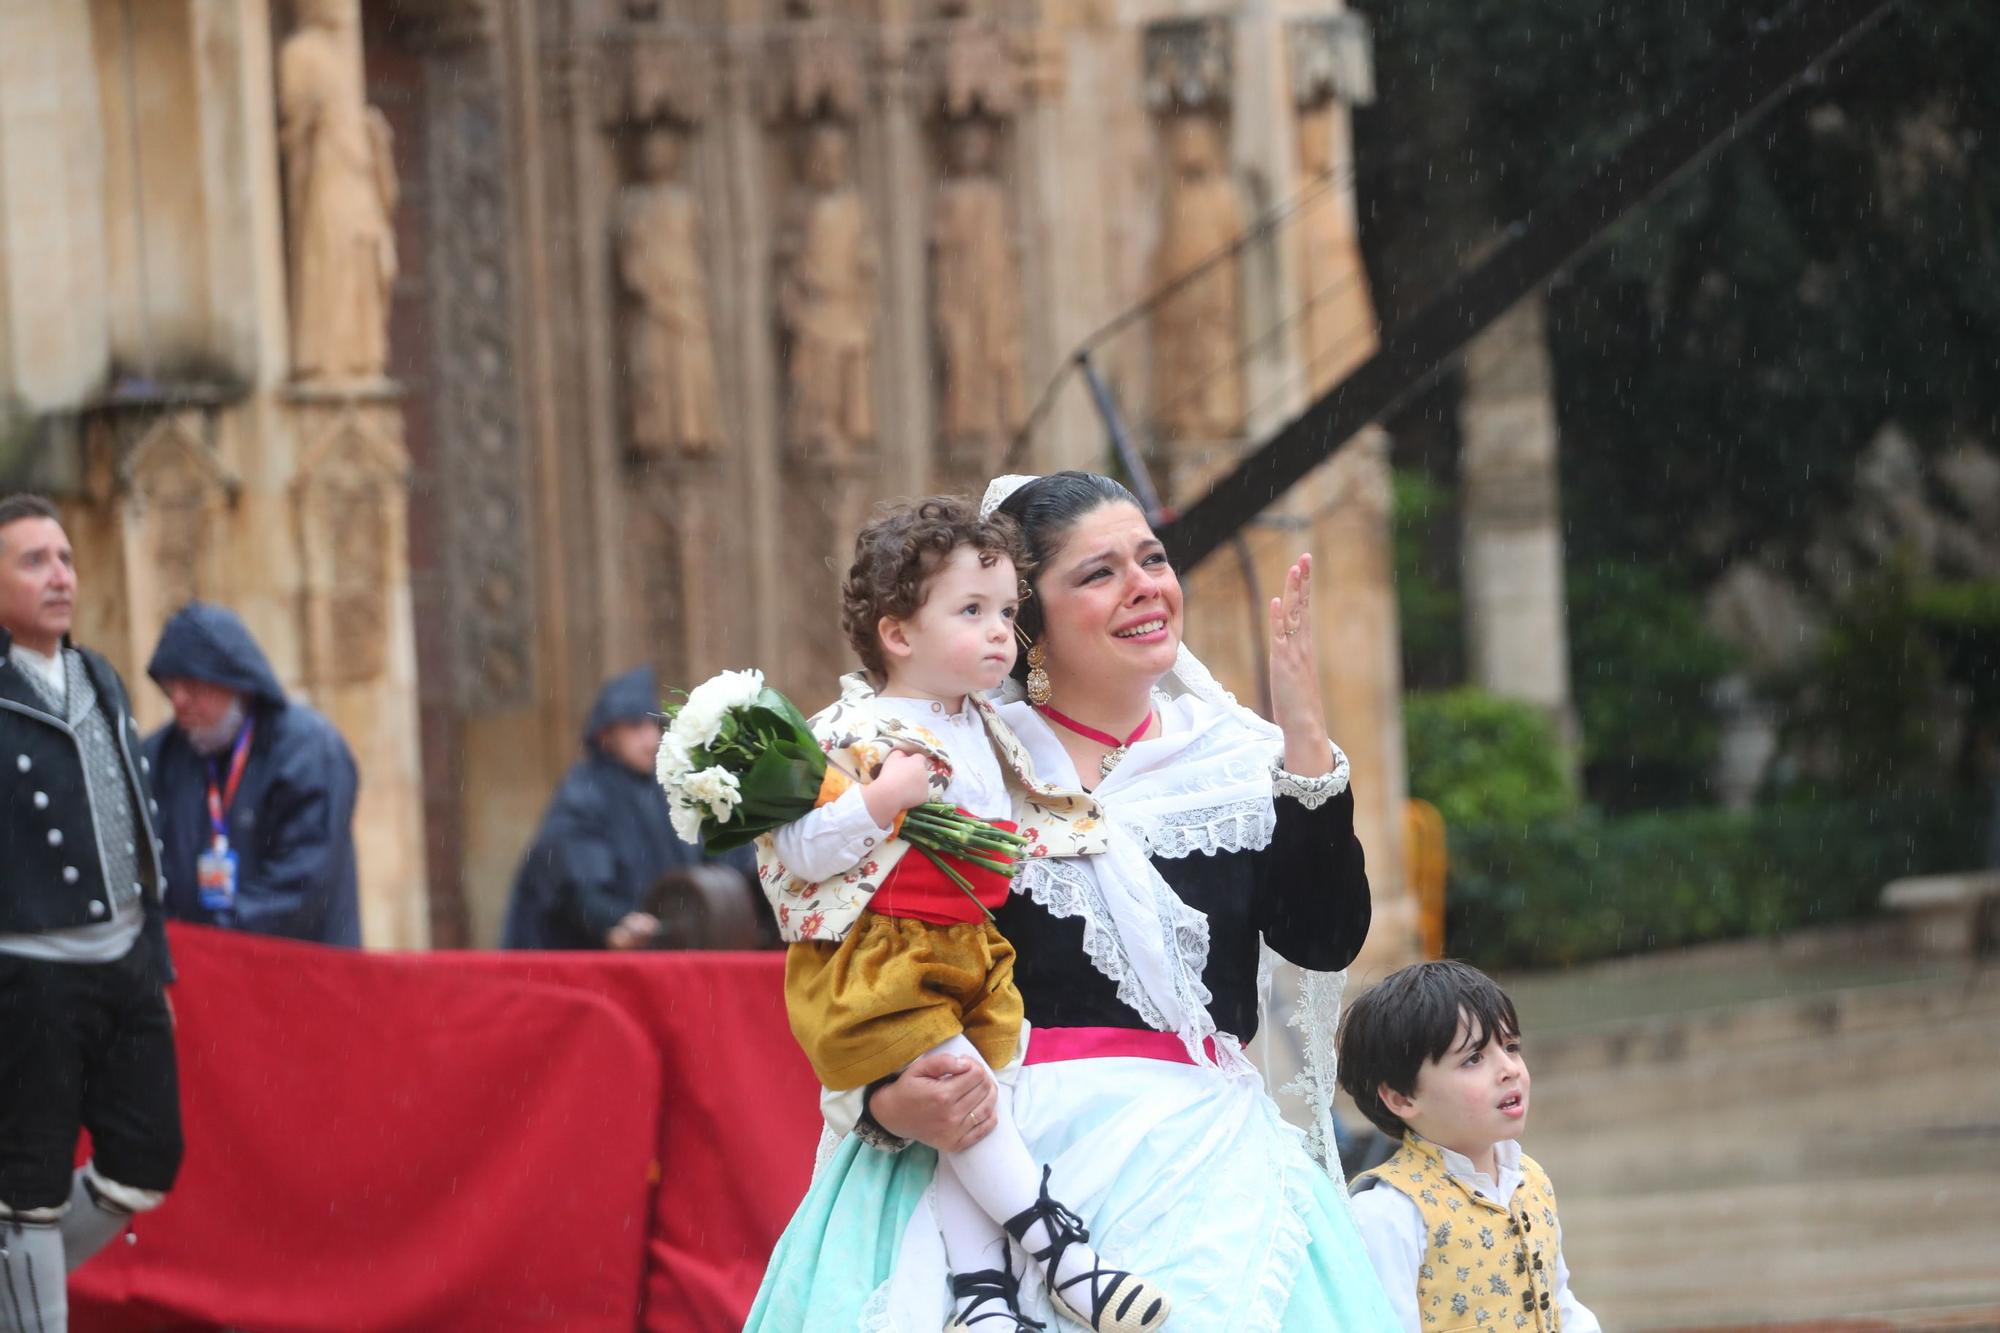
{"points": [[50, 861]]}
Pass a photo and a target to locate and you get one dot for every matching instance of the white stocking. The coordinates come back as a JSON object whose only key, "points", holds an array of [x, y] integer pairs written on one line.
{"points": [[1002, 1179], [91, 1223], [33, 1298]]}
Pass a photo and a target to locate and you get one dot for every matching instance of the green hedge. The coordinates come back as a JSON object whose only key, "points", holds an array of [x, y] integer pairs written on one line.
{"points": [[1586, 887], [1481, 759]]}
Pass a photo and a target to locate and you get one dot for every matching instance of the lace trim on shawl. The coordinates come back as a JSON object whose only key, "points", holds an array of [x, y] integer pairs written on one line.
{"points": [[1237, 826], [1062, 889]]}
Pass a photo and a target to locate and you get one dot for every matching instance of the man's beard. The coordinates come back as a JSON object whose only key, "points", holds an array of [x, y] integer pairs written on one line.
{"points": [[215, 737]]}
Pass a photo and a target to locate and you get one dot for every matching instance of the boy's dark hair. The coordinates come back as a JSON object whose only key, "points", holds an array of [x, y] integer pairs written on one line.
{"points": [[896, 556], [1409, 1018]]}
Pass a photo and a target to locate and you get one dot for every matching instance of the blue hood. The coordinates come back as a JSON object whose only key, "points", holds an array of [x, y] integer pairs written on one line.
{"points": [[211, 643], [626, 698]]}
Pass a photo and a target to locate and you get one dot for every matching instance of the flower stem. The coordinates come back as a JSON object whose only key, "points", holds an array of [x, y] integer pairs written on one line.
{"points": [[955, 878]]}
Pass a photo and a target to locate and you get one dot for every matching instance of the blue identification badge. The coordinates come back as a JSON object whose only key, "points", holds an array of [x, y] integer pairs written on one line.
{"points": [[215, 874]]}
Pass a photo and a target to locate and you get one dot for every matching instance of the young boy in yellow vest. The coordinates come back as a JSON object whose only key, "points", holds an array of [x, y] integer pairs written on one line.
{"points": [[1460, 1224]]}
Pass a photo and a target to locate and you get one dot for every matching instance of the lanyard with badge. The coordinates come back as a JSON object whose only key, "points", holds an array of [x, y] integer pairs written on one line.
{"points": [[215, 869]]}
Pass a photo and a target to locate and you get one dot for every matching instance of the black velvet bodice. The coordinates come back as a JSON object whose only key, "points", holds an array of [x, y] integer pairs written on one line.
{"points": [[1306, 893]]}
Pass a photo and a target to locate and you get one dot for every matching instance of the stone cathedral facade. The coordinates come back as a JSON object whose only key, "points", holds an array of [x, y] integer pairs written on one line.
{"points": [[476, 349]]}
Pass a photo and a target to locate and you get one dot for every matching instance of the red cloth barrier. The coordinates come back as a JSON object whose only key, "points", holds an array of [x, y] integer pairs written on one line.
{"points": [[467, 1140]]}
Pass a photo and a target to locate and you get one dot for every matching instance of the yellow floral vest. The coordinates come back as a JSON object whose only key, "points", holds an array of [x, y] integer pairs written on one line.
{"points": [[1485, 1267]]}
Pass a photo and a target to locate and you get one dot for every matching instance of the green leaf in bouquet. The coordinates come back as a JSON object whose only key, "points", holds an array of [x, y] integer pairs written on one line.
{"points": [[784, 708], [780, 786]]}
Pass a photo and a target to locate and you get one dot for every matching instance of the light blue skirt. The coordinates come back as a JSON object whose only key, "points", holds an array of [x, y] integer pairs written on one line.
{"points": [[1181, 1173]]}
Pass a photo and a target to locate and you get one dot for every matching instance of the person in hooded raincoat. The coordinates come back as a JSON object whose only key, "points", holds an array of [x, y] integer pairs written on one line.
{"points": [[284, 783], [606, 839]]}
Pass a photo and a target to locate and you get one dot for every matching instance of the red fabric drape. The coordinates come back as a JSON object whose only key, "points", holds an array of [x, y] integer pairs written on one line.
{"points": [[464, 1140]]}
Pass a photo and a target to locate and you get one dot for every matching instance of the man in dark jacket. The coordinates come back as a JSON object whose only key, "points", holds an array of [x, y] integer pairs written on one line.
{"points": [[256, 793], [606, 839], [86, 1036]]}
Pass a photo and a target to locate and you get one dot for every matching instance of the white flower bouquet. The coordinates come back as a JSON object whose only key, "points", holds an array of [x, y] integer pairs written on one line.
{"points": [[738, 760]]}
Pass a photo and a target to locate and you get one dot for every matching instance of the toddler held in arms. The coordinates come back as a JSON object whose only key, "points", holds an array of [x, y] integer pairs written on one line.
{"points": [[894, 956]]}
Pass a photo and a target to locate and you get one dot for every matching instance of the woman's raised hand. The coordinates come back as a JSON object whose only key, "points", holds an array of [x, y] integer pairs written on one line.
{"points": [[1295, 696]]}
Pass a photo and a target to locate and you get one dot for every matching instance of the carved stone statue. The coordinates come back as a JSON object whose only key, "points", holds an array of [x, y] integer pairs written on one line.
{"points": [[975, 305], [340, 190], [827, 265], [668, 343], [1197, 375]]}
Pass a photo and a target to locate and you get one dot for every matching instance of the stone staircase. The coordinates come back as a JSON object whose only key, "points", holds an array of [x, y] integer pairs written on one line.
{"points": [[1803, 1135]]}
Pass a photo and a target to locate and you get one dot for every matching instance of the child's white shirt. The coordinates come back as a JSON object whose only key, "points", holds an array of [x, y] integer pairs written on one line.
{"points": [[838, 836], [1392, 1229]]}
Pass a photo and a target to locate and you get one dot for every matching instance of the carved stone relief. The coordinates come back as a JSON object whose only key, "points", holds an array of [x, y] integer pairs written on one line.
{"points": [[1188, 65], [340, 192], [348, 507], [975, 306], [1198, 392], [1331, 59], [669, 343], [827, 268], [177, 495], [478, 411], [972, 83]]}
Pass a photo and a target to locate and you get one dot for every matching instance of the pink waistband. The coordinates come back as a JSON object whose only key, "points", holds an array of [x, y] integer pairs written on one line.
{"points": [[1048, 1045]]}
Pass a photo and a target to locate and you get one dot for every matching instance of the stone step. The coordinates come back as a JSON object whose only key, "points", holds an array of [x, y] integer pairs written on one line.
{"points": [[1808, 1250], [1983, 1320], [1811, 1017], [1812, 1158]]}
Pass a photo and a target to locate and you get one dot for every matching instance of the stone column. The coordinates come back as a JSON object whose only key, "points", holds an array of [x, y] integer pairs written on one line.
{"points": [[899, 187], [350, 502], [1512, 539], [1060, 155]]}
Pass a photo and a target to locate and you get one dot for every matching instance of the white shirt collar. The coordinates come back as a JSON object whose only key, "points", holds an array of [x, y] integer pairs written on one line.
{"points": [[49, 670], [928, 709], [1506, 1162]]}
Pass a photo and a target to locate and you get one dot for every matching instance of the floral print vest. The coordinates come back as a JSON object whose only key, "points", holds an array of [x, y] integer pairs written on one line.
{"points": [[858, 737], [1485, 1267]]}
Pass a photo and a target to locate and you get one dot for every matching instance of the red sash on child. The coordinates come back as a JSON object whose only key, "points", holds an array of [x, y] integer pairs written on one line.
{"points": [[918, 890]]}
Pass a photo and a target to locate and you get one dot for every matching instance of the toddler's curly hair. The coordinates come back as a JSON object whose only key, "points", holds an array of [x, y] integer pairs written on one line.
{"points": [[897, 554]]}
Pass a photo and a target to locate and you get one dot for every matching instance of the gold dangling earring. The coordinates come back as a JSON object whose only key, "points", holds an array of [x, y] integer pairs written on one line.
{"points": [[1039, 689]]}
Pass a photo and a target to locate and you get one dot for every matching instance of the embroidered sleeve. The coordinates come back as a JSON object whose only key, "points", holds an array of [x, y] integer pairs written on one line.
{"points": [[1312, 793]]}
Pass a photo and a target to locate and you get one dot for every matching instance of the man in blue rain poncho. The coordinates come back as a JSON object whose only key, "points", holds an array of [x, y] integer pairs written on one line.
{"points": [[256, 792], [606, 840]]}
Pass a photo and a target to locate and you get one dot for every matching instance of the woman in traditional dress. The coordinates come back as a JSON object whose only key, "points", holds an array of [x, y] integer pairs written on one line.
{"points": [[1224, 839]]}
